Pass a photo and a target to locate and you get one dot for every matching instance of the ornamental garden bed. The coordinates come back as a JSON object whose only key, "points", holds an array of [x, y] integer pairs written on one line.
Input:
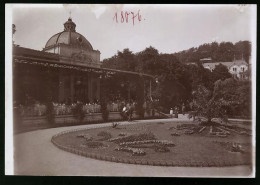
{"points": [[167, 144]]}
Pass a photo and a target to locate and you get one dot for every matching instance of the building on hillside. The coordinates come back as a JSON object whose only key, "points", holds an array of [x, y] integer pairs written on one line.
{"points": [[238, 68]]}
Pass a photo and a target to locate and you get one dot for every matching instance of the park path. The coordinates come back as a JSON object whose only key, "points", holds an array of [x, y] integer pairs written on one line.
{"points": [[34, 154]]}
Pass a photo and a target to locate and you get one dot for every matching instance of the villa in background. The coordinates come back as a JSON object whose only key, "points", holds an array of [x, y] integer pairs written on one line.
{"points": [[238, 68]]}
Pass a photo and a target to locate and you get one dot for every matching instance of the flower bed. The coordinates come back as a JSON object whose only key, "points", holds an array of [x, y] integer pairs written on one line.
{"points": [[94, 144], [105, 135], [139, 137], [157, 147], [86, 136], [134, 151]]}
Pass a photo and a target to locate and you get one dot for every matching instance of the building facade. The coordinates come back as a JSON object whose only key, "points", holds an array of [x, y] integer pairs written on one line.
{"points": [[237, 68], [68, 49], [67, 70]]}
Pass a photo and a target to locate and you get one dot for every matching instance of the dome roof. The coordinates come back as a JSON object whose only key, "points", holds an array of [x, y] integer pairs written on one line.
{"points": [[69, 36]]}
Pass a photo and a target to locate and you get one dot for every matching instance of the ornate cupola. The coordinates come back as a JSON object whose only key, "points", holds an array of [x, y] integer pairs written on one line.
{"points": [[73, 47], [69, 25]]}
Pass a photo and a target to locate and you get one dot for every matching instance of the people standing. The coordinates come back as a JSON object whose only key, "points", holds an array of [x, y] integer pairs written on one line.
{"points": [[176, 111], [131, 110], [171, 112]]}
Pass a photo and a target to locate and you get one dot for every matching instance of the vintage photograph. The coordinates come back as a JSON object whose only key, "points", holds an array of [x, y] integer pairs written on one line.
{"points": [[130, 90]]}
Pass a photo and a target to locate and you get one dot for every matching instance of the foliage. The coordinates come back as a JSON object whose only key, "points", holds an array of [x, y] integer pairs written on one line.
{"points": [[228, 95], [174, 87], [234, 96], [124, 60], [224, 52], [138, 137], [176, 80], [220, 73]]}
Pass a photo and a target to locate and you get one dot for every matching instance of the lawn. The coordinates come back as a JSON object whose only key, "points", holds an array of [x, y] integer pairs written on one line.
{"points": [[162, 143]]}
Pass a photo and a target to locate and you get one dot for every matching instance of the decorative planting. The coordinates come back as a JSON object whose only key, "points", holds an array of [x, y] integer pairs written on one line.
{"points": [[168, 144]]}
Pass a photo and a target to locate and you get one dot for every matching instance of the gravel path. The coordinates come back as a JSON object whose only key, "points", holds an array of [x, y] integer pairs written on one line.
{"points": [[34, 154]]}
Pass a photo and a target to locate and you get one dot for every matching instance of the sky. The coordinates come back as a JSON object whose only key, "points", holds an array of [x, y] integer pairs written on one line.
{"points": [[168, 28]]}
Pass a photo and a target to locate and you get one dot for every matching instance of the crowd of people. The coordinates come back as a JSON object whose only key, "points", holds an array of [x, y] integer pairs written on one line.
{"points": [[38, 109]]}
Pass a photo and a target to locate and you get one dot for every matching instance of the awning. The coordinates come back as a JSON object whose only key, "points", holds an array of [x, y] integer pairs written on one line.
{"points": [[57, 64]]}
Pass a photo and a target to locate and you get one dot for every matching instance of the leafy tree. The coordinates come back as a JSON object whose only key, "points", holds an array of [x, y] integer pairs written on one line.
{"points": [[228, 95], [149, 61], [174, 85], [124, 60], [205, 105], [243, 50], [235, 96], [224, 52], [221, 73]]}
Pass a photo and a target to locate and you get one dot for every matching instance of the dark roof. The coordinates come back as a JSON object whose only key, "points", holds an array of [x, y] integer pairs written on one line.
{"points": [[30, 56], [228, 64], [69, 38], [31, 53]]}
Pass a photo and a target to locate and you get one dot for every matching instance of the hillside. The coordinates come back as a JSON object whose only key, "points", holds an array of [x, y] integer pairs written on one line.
{"points": [[224, 52]]}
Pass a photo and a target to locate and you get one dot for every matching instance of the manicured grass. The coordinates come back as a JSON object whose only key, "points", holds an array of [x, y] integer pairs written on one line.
{"points": [[167, 144]]}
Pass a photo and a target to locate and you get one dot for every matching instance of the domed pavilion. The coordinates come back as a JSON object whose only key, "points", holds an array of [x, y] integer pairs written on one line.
{"points": [[67, 70], [73, 47]]}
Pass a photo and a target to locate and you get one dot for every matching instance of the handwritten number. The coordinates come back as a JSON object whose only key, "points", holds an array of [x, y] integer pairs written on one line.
{"points": [[115, 17], [122, 17], [139, 16], [125, 16]]}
